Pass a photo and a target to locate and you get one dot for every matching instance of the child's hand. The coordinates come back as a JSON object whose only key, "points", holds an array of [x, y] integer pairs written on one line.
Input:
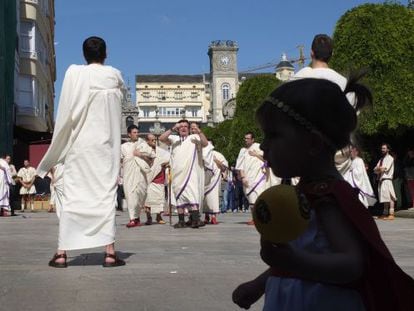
{"points": [[276, 255], [247, 294]]}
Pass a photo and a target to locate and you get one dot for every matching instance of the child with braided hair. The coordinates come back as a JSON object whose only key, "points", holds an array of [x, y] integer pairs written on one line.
{"points": [[340, 262]]}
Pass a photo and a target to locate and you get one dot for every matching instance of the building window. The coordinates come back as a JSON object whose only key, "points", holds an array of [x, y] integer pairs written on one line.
{"points": [[178, 95], [225, 89], [146, 112], [146, 94], [161, 95], [194, 95], [170, 111], [194, 112], [129, 121], [27, 42], [25, 91]]}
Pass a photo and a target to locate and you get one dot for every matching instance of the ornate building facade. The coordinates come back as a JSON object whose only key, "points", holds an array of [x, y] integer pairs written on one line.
{"points": [[209, 99], [165, 99]]}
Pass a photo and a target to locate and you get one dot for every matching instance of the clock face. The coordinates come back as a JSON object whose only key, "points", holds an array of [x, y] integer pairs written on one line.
{"points": [[225, 60]]}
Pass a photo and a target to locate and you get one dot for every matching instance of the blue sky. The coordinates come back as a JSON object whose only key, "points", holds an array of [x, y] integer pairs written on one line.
{"points": [[172, 36]]}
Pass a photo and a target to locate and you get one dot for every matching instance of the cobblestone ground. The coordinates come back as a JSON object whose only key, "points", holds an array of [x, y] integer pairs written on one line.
{"points": [[167, 269]]}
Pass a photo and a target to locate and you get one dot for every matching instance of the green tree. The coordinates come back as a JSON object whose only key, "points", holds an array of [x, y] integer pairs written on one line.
{"points": [[380, 38]]}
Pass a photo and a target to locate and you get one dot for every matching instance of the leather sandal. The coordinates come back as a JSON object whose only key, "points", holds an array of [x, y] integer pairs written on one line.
{"points": [[117, 262], [54, 264]]}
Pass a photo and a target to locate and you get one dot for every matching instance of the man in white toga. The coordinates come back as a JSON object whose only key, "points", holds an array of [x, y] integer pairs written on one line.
{"points": [[385, 172], [26, 176], [187, 170], [87, 140], [155, 201], [252, 170], [136, 157]]}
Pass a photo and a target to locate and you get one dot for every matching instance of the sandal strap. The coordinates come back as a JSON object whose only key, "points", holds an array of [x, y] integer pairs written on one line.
{"points": [[113, 256], [57, 256]]}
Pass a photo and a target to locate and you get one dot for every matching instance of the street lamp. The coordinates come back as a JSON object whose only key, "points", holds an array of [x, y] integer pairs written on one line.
{"points": [[157, 129]]}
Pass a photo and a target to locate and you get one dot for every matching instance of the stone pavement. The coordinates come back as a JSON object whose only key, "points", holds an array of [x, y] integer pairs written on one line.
{"points": [[167, 269]]}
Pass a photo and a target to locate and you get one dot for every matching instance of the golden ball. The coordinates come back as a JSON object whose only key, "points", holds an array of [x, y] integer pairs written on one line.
{"points": [[281, 214]]}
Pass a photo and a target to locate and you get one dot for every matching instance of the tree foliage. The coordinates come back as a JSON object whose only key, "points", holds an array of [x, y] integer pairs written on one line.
{"points": [[380, 38], [228, 136]]}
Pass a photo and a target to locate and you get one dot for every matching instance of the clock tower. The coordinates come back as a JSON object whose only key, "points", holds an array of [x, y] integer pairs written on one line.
{"points": [[223, 76]]}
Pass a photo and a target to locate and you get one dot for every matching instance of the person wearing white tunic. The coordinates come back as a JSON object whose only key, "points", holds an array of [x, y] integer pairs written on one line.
{"points": [[136, 155], [5, 182], [357, 177], [12, 186], [252, 169], [87, 140], [385, 172], [321, 53], [215, 165], [155, 202], [187, 170], [26, 177]]}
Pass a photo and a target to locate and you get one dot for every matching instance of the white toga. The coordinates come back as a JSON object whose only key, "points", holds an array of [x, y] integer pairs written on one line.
{"points": [[87, 139], [357, 177], [27, 175], [5, 182], [187, 170], [135, 174], [156, 189], [386, 191], [254, 170], [212, 180]]}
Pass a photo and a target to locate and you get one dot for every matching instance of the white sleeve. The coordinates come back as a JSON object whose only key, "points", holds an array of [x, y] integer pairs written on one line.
{"points": [[71, 114], [240, 159], [173, 138]]}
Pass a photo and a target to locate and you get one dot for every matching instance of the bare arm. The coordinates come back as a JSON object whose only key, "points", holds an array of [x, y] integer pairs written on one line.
{"points": [[248, 293], [344, 264], [164, 136], [203, 138]]}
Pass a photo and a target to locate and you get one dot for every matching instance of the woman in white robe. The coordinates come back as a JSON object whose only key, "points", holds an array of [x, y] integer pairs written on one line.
{"points": [[357, 177], [87, 139]]}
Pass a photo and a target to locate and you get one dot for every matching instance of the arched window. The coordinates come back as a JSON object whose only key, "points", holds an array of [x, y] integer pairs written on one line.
{"points": [[225, 89], [129, 121]]}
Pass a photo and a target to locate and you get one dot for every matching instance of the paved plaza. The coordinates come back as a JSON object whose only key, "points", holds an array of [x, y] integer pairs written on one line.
{"points": [[167, 269]]}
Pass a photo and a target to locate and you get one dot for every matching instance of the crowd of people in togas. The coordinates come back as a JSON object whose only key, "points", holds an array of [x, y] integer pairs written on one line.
{"points": [[324, 268]]}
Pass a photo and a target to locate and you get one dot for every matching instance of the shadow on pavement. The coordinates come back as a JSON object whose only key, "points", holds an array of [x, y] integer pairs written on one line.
{"points": [[94, 259]]}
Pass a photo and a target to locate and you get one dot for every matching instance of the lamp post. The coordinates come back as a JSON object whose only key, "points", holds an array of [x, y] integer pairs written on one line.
{"points": [[157, 129], [183, 114]]}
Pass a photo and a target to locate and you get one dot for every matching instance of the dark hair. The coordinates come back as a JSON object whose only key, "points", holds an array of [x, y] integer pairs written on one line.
{"points": [[94, 50], [322, 47], [388, 146], [185, 121], [249, 133], [320, 102], [131, 127]]}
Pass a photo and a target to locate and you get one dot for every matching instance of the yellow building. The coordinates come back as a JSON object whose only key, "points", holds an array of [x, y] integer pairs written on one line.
{"points": [[169, 98], [37, 66]]}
